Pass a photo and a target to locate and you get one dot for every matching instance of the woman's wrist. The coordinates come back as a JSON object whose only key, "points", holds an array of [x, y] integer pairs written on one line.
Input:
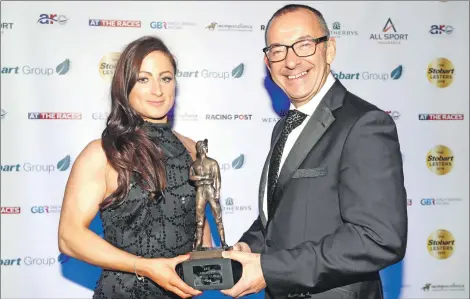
{"points": [[141, 267]]}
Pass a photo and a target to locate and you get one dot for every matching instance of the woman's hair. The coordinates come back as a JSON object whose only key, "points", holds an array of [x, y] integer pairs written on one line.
{"points": [[128, 148]]}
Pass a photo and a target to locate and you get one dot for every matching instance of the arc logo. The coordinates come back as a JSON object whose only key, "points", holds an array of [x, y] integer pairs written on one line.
{"points": [[50, 19], [441, 29]]}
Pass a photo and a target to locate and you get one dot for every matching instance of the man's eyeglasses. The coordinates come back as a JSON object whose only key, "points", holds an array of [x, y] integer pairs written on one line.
{"points": [[302, 48]]}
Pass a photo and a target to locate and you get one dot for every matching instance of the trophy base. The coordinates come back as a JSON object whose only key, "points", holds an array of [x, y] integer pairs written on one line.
{"points": [[208, 270]]}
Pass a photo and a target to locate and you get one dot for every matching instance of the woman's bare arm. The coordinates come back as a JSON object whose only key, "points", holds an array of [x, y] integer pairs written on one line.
{"points": [[85, 190]]}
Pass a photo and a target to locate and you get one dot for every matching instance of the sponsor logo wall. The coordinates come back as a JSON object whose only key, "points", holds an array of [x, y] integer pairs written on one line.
{"points": [[412, 65]]}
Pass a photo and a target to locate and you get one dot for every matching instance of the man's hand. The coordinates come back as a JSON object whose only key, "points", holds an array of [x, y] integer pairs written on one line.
{"points": [[241, 246], [252, 280]]}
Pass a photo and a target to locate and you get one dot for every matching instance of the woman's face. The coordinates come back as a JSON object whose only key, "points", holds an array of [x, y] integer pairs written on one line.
{"points": [[153, 95]]}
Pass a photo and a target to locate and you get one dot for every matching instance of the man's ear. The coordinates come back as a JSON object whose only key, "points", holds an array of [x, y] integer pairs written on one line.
{"points": [[268, 64], [330, 50]]}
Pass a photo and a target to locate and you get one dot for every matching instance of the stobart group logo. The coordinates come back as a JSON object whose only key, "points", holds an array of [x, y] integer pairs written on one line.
{"points": [[236, 73], [107, 65], [441, 244], [61, 69], [441, 72], [236, 164], [440, 160], [62, 165], [395, 74]]}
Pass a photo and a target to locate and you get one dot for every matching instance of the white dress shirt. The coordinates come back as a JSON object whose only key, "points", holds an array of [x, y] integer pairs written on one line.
{"points": [[308, 109]]}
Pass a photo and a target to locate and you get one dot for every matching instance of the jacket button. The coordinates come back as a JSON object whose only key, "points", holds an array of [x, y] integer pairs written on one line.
{"points": [[269, 243]]}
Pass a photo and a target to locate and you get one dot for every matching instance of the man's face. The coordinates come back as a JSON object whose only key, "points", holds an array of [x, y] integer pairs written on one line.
{"points": [[299, 77]]}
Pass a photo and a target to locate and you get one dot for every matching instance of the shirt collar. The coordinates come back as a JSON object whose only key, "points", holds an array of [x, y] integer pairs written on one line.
{"points": [[311, 105]]}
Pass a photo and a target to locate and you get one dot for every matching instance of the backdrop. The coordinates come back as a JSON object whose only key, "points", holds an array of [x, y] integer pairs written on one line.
{"points": [[57, 58]]}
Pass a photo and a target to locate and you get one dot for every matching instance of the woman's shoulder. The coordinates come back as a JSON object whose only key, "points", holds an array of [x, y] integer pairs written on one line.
{"points": [[93, 154]]}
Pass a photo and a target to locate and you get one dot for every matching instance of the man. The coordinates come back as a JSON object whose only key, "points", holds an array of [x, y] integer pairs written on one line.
{"points": [[333, 209]]}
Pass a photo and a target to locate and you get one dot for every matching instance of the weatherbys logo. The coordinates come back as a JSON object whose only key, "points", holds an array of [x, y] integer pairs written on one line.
{"points": [[4, 113], [236, 73], [389, 34], [108, 64], [394, 75], [428, 287], [50, 19], [61, 69], [236, 164], [55, 115], [214, 26], [441, 72], [228, 116], [441, 244], [11, 210], [163, 25], [440, 160], [113, 23], [339, 31], [229, 206], [62, 165], [441, 29], [440, 116]]}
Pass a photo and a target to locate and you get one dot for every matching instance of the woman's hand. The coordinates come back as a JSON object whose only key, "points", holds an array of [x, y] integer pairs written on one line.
{"points": [[162, 271]]}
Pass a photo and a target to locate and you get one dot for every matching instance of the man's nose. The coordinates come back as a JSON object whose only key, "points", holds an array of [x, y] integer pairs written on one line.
{"points": [[292, 60]]}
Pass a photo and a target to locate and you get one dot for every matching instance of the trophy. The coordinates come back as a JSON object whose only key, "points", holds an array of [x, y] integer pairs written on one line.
{"points": [[206, 269]]}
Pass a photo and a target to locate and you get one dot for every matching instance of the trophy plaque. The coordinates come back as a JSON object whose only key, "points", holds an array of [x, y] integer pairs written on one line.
{"points": [[207, 269]]}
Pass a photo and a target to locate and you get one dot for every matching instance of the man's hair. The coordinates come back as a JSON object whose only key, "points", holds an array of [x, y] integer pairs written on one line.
{"points": [[294, 7]]}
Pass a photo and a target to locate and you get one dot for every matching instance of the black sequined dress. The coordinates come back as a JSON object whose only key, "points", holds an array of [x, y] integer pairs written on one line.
{"points": [[149, 228]]}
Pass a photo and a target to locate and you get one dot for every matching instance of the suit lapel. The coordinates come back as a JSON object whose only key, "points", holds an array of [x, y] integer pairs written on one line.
{"points": [[264, 174], [315, 128]]}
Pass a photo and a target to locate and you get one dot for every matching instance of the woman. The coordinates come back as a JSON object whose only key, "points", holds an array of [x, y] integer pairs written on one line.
{"points": [[137, 176]]}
